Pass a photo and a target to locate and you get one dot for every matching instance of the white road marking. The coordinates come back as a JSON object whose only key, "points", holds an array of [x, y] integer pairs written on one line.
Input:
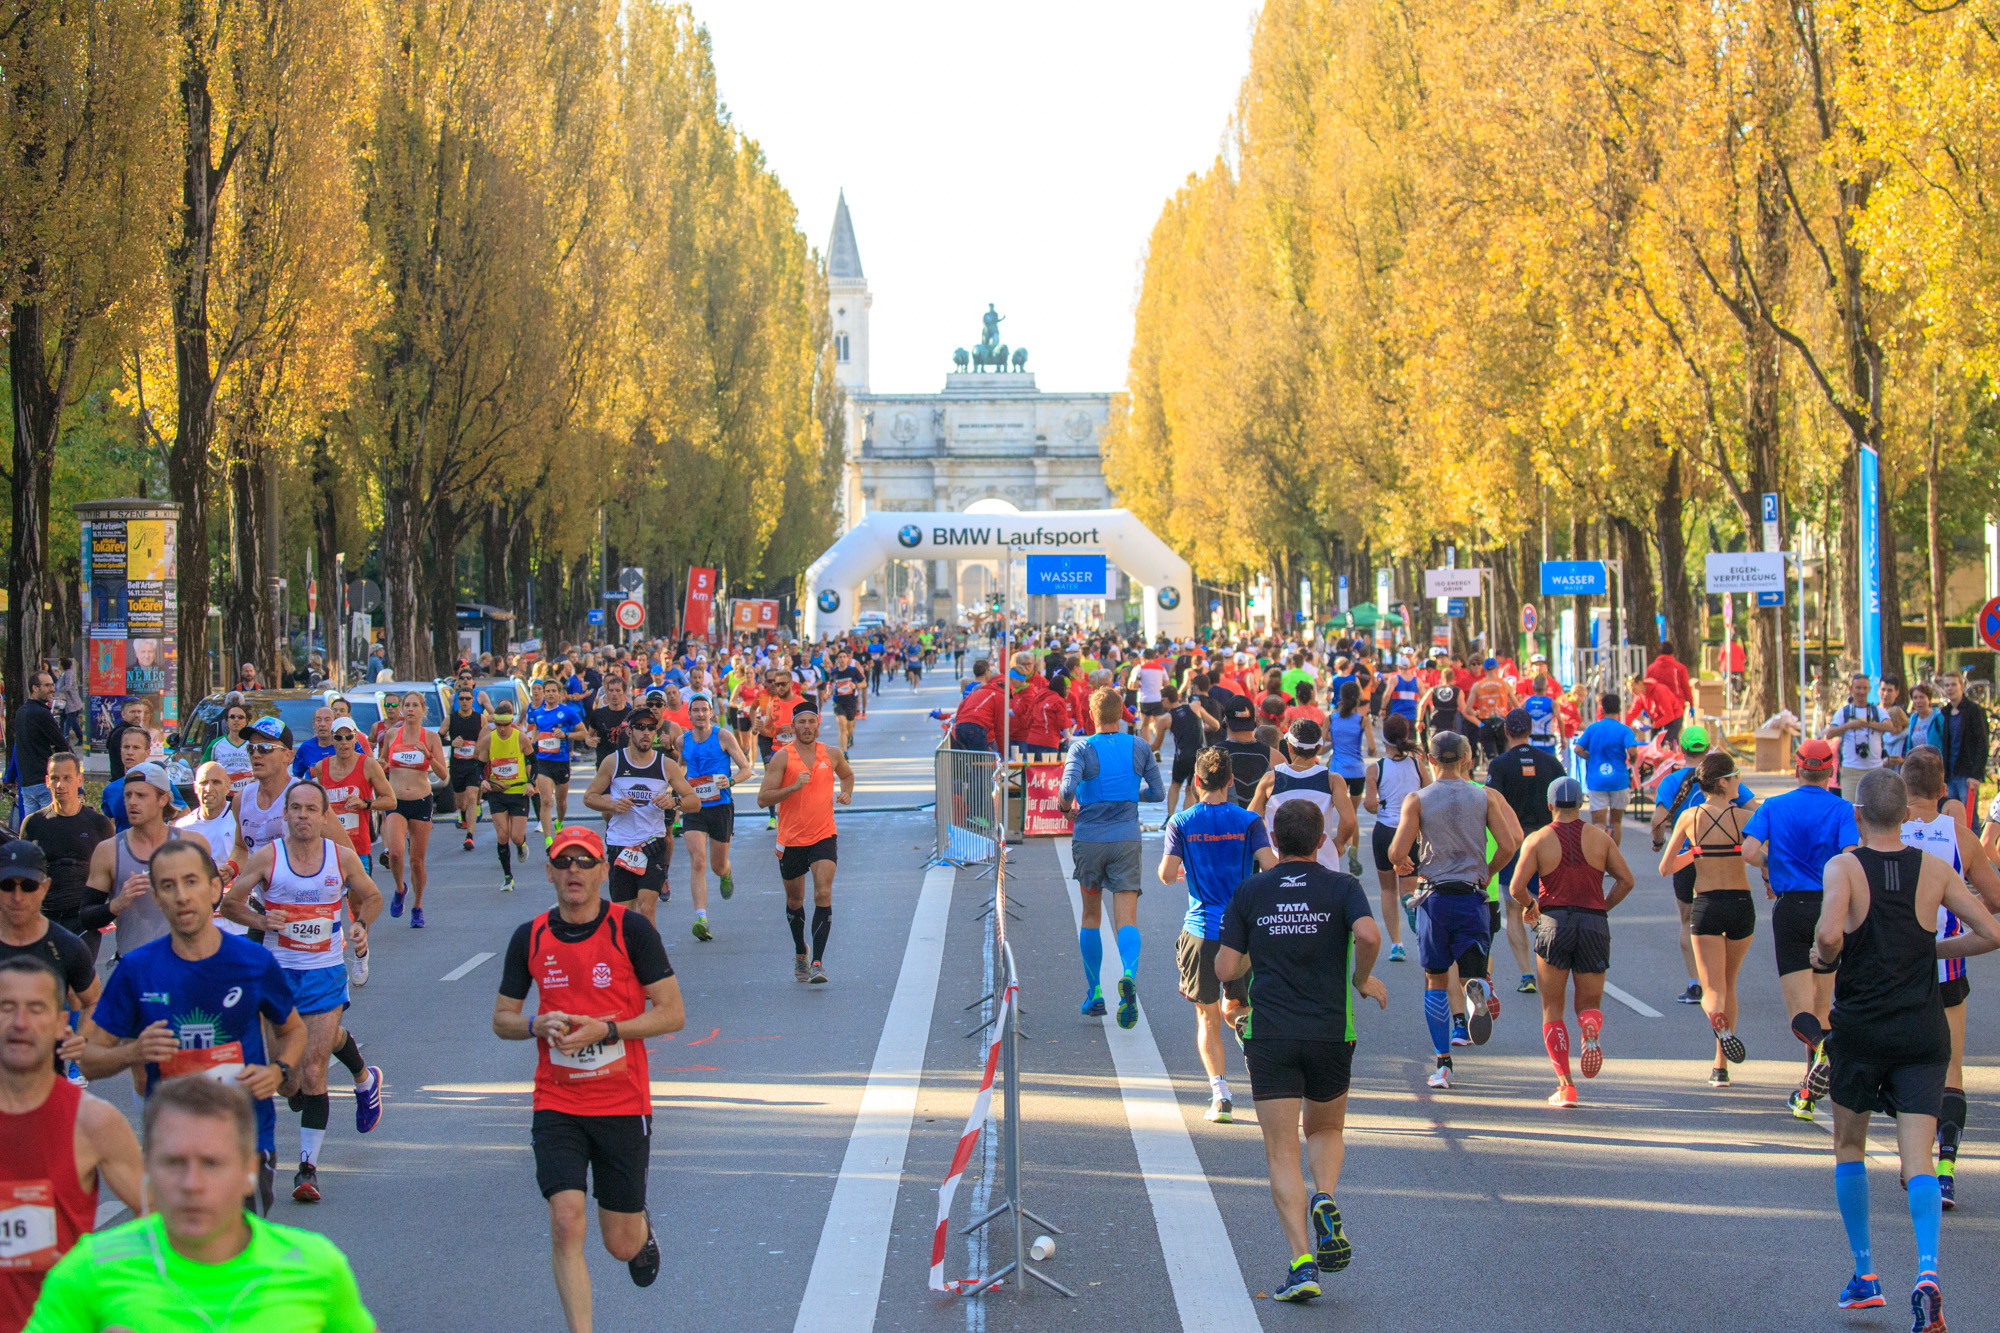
{"points": [[846, 1281], [1200, 1260], [1632, 1002], [465, 967]]}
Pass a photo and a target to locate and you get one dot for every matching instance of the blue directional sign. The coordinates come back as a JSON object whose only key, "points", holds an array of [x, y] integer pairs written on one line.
{"points": [[1454, 606], [1069, 575], [595, 615], [1574, 578], [1775, 598]]}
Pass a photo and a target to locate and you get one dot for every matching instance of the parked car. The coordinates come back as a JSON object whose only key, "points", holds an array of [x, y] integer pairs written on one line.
{"points": [[371, 694], [203, 723]]}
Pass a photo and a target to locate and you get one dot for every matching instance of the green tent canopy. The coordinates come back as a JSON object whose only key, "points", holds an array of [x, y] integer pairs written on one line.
{"points": [[1365, 617]]}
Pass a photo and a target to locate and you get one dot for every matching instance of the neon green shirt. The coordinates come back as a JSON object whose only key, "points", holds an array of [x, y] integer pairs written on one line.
{"points": [[285, 1281], [1292, 678]]}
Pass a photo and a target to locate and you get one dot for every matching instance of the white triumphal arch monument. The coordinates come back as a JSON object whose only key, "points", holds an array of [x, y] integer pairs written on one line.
{"points": [[833, 582]]}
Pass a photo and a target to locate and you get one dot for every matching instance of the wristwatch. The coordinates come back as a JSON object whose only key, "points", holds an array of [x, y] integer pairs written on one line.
{"points": [[284, 1071], [610, 1031]]}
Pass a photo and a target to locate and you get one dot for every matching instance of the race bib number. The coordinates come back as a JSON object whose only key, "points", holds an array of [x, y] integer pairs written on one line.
{"points": [[410, 758], [632, 859], [350, 820], [309, 927], [592, 1061], [785, 737], [844, 687], [708, 788], [218, 1064], [27, 1226], [463, 749], [507, 768], [548, 744]]}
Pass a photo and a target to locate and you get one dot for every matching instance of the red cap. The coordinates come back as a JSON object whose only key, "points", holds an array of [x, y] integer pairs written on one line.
{"points": [[1815, 756], [574, 836]]}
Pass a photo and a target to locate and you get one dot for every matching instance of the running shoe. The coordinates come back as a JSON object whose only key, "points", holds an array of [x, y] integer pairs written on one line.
{"points": [[74, 1073], [1593, 1054], [559, 823], [507, 882], [468, 842], [1927, 1306], [1396, 954], [305, 1184], [1440, 1077], [416, 918], [1801, 1105], [1692, 995], [1481, 1008], [1527, 986], [1219, 1112], [800, 971], [771, 822], [1409, 902], [357, 967], [548, 841], [1820, 1076], [645, 1265], [1862, 1292], [700, 929], [728, 887], [396, 903], [1564, 1095], [818, 977], [1946, 1176], [368, 1102], [1718, 1077], [1093, 1003], [1301, 1283], [1128, 1003], [1459, 1036], [1330, 1248], [1733, 1049]]}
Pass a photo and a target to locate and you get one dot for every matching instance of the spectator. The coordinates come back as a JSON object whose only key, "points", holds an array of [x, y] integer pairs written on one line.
{"points": [[1965, 746], [1654, 699], [1859, 727], [69, 704], [1040, 718], [133, 716], [1668, 671], [247, 678], [37, 735]]}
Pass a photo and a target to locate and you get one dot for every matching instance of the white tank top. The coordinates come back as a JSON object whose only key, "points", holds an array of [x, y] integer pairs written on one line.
{"points": [[1395, 779], [234, 756], [220, 835], [645, 821], [1307, 784], [311, 936], [262, 824], [1937, 836]]}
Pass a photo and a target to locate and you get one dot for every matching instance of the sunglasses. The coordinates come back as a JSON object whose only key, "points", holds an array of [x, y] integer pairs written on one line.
{"points": [[258, 748], [575, 861], [641, 726], [22, 885]]}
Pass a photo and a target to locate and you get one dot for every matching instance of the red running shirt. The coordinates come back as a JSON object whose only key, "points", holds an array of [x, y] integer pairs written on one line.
{"points": [[593, 978], [42, 1207]]}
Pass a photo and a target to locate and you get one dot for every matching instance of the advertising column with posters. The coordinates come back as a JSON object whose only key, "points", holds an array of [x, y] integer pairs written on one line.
{"points": [[129, 577]]}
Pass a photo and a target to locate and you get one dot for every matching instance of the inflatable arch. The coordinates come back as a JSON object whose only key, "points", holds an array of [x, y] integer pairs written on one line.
{"points": [[833, 582]]}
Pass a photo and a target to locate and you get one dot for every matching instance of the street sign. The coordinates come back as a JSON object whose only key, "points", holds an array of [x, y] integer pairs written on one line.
{"points": [[1454, 606], [595, 615], [1728, 610], [1745, 571], [312, 595], [1451, 583], [1527, 617], [1215, 606], [1989, 624], [364, 595], [1771, 598], [1068, 575], [1771, 541], [631, 578], [1343, 592], [630, 615], [1299, 617], [1574, 578]]}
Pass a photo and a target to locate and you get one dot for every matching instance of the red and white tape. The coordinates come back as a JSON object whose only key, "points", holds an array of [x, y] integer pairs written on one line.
{"points": [[964, 1154]]}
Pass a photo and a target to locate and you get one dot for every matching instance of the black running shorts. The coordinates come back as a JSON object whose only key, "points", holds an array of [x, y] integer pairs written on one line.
{"points": [[1872, 1085], [507, 802], [1184, 765], [626, 882], [613, 1150], [1198, 980], [1317, 1071], [716, 822], [1153, 709], [1726, 912], [1575, 939], [417, 811], [1794, 919], [1955, 991], [555, 770], [794, 862], [1684, 884], [1384, 835], [466, 775]]}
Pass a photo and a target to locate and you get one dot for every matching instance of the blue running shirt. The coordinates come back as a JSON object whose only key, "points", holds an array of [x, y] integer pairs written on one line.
{"points": [[1217, 846]]}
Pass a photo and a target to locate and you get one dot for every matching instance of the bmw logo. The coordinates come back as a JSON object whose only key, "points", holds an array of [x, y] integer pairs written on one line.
{"points": [[829, 600], [1169, 598], [910, 535]]}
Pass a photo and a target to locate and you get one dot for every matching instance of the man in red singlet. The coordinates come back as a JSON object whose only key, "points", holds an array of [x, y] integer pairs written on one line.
{"points": [[1571, 857], [57, 1142], [605, 986], [799, 781]]}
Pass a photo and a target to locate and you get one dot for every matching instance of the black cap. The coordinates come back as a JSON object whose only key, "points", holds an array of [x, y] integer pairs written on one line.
{"points": [[1518, 723], [1238, 706], [21, 859]]}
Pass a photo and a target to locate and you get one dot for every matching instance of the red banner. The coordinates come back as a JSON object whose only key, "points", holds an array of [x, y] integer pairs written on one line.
{"points": [[700, 601], [753, 615], [1041, 819]]}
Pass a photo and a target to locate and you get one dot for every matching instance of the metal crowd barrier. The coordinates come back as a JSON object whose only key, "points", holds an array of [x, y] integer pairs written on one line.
{"points": [[968, 822]]}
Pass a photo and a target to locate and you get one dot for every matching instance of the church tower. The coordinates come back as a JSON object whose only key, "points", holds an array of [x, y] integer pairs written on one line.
{"points": [[847, 295]]}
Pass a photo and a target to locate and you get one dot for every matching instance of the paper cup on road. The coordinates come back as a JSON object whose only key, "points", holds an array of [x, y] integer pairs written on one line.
{"points": [[1041, 1247]]}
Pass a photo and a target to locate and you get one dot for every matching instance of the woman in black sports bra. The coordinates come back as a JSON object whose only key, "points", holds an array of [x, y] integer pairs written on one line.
{"points": [[1709, 836]]}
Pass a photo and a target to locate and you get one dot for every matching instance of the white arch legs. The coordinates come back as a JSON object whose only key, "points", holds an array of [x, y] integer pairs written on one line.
{"points": [[833, 582]]}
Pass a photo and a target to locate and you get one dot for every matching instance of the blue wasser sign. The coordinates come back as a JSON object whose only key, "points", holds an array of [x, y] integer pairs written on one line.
{"points": [[1572, 577], [1069, 575]]}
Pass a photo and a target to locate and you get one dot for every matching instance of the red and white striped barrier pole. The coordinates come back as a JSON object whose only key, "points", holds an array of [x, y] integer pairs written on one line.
{"points": [[970, 1137]]}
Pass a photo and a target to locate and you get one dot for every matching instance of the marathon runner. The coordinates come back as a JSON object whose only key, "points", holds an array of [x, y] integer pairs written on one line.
{"points": [[1189, 723], [1403, 691], [201, 1263], [58, 1143], [713, 764], [1454, 817], [1147, 678], [604, 723], [197, 1001], [633, 790], [502, 753], [1891, 1044], [213, 824], [356, 788], [1302, 933], [1609, 749], [1105, 776], [1393, 776], [230, 746], [1677, 790], [799, 782], [1709, 837], [593, 1101], [118, 864], [1302, 777], [1792, 837], [68, 832], [849, 690], [462, 728], [1218, 845], [1489, 701], [411, 756], [773, 718], [553, 724], [1249, 758], [1563, 899], [317, 897]]}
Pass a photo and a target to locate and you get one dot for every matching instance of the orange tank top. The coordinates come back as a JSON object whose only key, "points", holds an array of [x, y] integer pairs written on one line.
{"points": [[806, 816]]}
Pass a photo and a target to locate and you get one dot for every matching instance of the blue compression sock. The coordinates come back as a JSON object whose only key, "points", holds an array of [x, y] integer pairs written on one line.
{"points": [[1128, 949], [1850, 1188], [1091, 941], [1437, 1014], [1926, 1212]]}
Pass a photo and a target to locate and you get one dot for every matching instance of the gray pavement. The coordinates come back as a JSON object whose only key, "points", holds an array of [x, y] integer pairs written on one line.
{"points": [[1659, 1203]]}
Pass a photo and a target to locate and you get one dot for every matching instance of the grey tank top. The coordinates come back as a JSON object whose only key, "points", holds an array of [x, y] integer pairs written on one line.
{"points": [[142, 922], [1454, 833]]}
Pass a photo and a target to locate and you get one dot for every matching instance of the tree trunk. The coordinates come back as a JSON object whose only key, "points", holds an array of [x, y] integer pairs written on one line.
{"points": [[403, 587], [1641, 595], [326, 543], [1678, 593], [448, 528], [1934, 538], [37, 418]]}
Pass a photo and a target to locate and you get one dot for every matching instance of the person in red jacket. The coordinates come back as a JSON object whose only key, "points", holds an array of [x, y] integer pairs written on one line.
{"points": [[1667, 669], [1657, 700], [976, 725], [1040, 720]]}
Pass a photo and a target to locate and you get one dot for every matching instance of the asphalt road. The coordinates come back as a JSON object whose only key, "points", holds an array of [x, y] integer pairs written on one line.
{"points": [[782, 1201]]}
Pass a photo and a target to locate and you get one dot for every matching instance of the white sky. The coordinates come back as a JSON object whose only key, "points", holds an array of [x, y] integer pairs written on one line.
{"points": [[1013, 153]]}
